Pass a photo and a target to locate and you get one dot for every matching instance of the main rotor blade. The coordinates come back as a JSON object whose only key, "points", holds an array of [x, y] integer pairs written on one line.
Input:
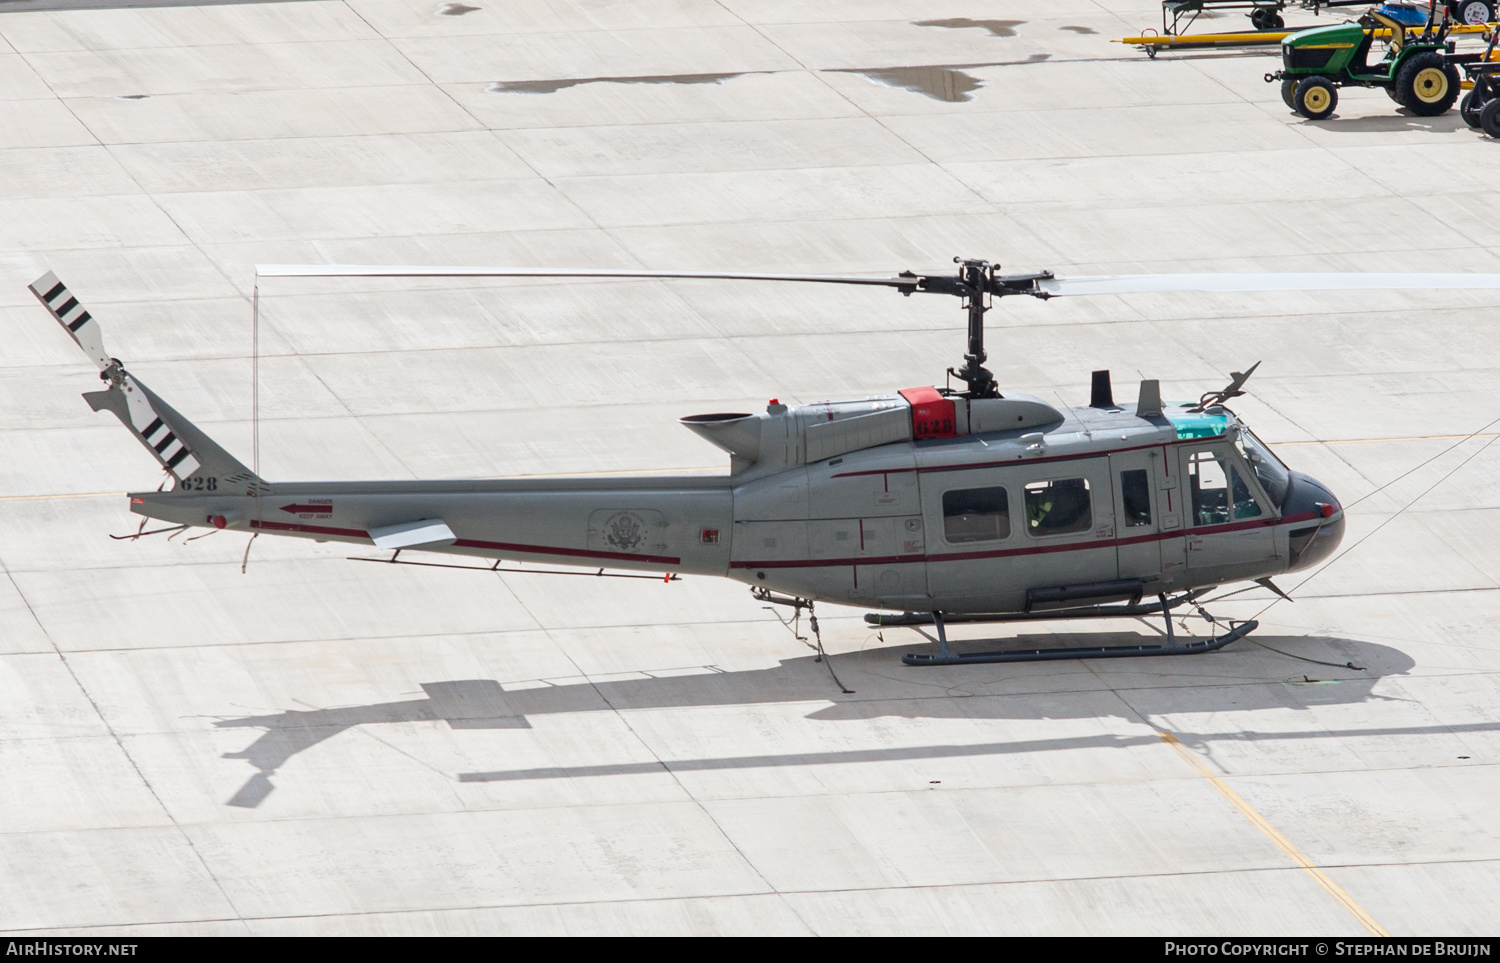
{"points": [[460, 271], [1057, 287], [1266, 281]]}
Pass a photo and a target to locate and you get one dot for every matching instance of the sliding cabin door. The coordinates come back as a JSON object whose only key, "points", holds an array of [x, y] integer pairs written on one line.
{"points": [[1138, 537]]}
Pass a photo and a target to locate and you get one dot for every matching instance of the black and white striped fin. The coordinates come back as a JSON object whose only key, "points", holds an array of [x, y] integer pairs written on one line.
{"points": [[79, 324], [160, 438]]}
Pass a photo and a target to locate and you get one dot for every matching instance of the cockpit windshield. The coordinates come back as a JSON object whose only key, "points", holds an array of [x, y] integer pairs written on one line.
{"points": [[1273, 475]]}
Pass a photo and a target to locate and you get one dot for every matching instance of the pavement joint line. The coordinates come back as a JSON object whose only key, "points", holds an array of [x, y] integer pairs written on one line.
{"points": [[1370, 441], [24, 498], [718, 896], [171, 818], [1275, 836], [592, 628], [720, 468], [667, 899], [689, 798], [469, 809]]}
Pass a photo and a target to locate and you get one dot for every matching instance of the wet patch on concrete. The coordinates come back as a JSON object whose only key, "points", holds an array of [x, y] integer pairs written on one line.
{"points": [[553, 86], [946, 82], [132, 97], [455, 9], [1084, 30], [939, 83], [1000, 28]]}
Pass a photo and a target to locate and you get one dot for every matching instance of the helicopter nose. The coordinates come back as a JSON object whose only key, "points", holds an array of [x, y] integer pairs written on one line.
{"points": [[1313, 542]]}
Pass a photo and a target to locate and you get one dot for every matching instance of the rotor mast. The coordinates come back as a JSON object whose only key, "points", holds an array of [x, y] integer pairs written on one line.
{"points": [[976, 276], [978, 284]]}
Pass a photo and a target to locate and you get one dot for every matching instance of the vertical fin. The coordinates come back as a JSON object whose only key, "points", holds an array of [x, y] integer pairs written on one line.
{"points": [[175, 442]]}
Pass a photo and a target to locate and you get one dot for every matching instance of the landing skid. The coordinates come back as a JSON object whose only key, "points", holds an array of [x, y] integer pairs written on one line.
{"points": [[1170, 646]]}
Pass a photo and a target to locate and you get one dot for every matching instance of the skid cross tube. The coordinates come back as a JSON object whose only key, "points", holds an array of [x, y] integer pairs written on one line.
{"points": [[1170, 646]]}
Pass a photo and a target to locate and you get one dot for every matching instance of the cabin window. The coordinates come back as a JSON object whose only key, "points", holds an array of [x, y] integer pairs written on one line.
{"points": [[976, 515], [1058, 507], [1220, 494], [1135, 492]]}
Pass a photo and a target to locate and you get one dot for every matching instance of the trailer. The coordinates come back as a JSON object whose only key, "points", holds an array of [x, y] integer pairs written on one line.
{"points": [[1153, 43], [1177, 16]]}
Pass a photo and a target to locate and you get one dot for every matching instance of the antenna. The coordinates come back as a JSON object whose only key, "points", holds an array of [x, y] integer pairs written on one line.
{"points": [[1235, 388]]}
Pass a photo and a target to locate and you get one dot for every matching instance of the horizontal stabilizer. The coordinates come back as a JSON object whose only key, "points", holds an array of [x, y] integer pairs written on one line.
{"points": [[131, 403], [428, 531], [79, 324]]}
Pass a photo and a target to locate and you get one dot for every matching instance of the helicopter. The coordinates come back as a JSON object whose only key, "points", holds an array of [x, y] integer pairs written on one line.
{"points": [[928, 505]]}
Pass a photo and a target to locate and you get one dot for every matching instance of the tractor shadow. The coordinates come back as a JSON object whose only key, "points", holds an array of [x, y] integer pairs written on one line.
{"points": [[1402, 121], [1243, 677]]}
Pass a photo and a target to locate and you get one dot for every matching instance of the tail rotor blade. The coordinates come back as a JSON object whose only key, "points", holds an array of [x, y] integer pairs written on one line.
{"points": [[66, 310]]}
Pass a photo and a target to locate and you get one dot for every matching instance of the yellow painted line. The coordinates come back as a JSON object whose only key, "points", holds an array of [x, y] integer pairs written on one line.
{"points": [[1274, 835], [1375, 441], [25, 498]]}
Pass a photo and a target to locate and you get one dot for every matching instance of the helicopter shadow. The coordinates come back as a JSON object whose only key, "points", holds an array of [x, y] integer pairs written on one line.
{"points": [[883, 691]]}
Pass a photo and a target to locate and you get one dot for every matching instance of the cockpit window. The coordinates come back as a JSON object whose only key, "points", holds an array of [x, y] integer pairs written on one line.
{"points": [[1269, 471], [1220, 495]]}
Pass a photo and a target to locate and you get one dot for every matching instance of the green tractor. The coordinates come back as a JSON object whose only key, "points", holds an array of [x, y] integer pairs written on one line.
{"points": [[1417, 70]]}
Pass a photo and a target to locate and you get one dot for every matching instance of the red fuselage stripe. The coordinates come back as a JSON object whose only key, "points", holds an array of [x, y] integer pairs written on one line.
{"points": [[310, 529], [808, 562], [566, 552], [1030, 549], [475, 543]]}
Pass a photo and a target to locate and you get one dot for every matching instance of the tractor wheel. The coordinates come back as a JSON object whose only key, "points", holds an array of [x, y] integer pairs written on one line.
{"points": [[1489, 118], [1473, 12], [1266, 18], [1468, 111], [1427, 85], [1289, 92], [1391, 93], [1315, 98]]}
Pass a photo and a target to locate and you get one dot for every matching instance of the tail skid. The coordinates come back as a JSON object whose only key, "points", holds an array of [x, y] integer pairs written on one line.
{"points": [[192, 458]]}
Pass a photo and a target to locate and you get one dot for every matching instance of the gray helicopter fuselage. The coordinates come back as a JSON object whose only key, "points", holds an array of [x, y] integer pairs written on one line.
{"points": [[915, 501]]}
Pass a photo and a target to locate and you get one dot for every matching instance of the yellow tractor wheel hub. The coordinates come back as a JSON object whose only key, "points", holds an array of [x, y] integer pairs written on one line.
{"points": [[1316, 99], [1431, 85]]}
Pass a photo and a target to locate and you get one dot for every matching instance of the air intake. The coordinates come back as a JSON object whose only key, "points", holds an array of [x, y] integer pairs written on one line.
{"points": [[1103, 395]]}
